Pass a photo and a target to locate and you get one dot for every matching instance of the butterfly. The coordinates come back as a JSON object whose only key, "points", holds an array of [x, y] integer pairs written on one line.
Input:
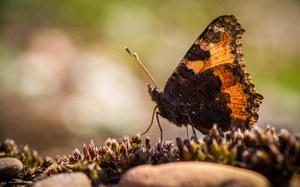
{"points": [[210, 86]]}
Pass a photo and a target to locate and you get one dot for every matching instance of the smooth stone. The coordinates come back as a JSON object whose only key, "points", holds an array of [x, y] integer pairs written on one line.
{"points": [[295, 181], [192, 174], [77, 179], [9, 167]]}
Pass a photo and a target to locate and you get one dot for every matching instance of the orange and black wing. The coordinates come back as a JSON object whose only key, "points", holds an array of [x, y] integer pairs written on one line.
{"points": [[210, 85]]}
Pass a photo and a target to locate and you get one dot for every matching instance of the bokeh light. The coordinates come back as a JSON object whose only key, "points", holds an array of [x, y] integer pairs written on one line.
{"points": [[65, 77]]}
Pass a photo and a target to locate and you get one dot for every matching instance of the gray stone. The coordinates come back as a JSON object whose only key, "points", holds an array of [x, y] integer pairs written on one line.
{"points": [[76, 179], [192, 174], [9, 167]]}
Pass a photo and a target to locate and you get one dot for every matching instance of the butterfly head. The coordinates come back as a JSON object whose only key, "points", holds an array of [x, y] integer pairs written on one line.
{"points": [[154, 92], [158, 97]]}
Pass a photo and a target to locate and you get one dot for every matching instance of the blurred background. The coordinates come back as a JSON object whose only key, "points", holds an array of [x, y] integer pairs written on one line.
{"points": [[65, 77]]}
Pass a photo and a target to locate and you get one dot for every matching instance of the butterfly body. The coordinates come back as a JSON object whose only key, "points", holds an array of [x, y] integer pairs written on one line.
{"points": [[210, 85]]}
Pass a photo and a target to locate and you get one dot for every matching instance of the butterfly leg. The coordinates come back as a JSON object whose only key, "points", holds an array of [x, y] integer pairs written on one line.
{"points": [[194, 131], [187, 132], [161, 130], [152, 118], [190, 122]]}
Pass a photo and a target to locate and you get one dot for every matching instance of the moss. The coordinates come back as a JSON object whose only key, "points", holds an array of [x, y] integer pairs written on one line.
{"points": [[273, 154]]}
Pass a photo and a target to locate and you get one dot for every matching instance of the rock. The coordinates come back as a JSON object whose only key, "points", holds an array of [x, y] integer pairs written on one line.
{"points": [[9, 167], [192, 174], [295, 181], [76, 179]]}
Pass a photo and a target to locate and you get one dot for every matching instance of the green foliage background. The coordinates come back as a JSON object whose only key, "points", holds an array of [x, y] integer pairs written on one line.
{"points": [[161, 32]]}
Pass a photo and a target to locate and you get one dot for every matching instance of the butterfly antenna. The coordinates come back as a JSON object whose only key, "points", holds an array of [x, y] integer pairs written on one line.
{"points": [[137, 59]]}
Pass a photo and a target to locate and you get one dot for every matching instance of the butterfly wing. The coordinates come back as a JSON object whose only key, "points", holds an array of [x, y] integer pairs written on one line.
{"points": [[210, 85]]}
